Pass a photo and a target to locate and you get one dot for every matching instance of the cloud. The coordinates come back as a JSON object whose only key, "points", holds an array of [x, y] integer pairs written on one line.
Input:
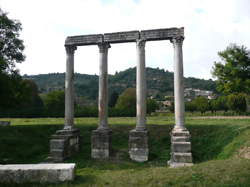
{"points": [[209, 27]]}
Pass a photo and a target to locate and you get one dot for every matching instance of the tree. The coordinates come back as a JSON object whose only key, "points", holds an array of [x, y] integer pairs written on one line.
{"points": [[127, 102], [190, 106], [237, 102], [233, 73], [201, 104], [54, 103], [11, 52], [11, 47], [152, 105]]}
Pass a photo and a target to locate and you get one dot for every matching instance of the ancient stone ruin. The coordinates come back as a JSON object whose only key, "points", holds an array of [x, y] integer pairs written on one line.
{"points": [[66, 141]]}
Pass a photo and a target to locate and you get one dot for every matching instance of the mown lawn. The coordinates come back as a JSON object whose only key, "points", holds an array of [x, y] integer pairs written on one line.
{"points": [[215, 147]]}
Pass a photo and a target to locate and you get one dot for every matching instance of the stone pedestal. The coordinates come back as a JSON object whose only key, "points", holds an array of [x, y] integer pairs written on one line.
{"points": [[64, 144], [101, 143], [180, 148], [138, 145]]}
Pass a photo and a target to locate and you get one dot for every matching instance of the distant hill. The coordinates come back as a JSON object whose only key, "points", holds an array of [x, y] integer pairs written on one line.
{"points": [[159, 82]]}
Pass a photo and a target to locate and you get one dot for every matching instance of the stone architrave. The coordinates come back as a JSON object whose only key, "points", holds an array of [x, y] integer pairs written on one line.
{"points": [[65, 142], [180, 137], [138, 137], [101, 137]]}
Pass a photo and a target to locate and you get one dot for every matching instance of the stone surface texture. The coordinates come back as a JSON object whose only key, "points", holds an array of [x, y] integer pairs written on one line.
{"points": [[101, 143], [127, 36], [84, 40], [180, 148], [138, 145], [4, 123], [40, 173], [64, 144], [121, 37], [161, 34]]}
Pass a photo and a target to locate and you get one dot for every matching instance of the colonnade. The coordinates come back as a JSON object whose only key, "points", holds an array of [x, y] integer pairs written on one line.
{"points": [[141, 91], [68, 138]]}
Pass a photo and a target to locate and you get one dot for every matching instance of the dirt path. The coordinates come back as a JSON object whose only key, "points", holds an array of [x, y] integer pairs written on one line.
{"points": [[221, 117]]}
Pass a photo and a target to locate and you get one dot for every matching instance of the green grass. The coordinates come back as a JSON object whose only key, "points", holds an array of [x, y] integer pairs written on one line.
{"points": [[215, 149]]}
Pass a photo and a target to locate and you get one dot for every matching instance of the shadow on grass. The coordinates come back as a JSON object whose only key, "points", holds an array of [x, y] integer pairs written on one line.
{"points": [[30, 144]]}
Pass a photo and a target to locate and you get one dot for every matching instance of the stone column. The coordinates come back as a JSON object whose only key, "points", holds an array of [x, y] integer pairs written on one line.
{"points": [[141, 87], [138, 137], [64, 143], [69, 88], [101, 138], [103, 86], [178, 83], [180, 137]]}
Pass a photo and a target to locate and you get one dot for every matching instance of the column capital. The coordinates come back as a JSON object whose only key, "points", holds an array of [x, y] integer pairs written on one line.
{"points": [[141, 43], [177, 40], [103, 47], [70, 49]]}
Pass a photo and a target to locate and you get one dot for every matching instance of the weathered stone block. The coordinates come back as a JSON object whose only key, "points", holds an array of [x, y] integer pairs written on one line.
{"points": [[120, 37], [64, 144], [84, 40], [182, 157], [4, 123], [101, 143], [180, 139], [138, 145], [162, 34], [181, 147], [41, 173]]}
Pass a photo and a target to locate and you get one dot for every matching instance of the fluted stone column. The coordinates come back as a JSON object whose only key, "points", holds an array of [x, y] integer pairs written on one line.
{"points": [[101, 138], [65, 142], [180, 136], [138, 137]]}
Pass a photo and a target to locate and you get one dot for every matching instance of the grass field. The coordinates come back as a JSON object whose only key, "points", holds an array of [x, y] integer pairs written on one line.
{"points": [[220, 148]]}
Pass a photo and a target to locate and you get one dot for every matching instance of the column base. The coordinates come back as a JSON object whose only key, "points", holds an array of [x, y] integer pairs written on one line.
{"points": [[138, 145], [180, 148], [101, 143], [63, 144]]}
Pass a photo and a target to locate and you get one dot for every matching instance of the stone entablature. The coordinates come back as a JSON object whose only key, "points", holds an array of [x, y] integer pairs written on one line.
{"points": [[128, 36]]}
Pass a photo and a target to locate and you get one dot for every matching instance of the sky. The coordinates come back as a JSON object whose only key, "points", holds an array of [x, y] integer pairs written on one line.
{"points": [[210, 26]]}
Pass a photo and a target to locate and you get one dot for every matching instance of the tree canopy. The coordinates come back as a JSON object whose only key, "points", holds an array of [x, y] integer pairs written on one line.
{"points": [[233, 73], [11, 46]]}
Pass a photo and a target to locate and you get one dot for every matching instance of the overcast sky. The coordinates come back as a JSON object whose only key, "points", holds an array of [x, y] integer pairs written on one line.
{"points": [[210, 26]]}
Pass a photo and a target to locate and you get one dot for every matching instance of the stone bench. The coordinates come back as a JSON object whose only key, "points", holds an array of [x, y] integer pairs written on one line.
{"points": [[40, 173], [4, 123]]}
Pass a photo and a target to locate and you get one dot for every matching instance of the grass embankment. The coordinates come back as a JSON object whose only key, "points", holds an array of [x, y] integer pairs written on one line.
{"points": [[220, 150]]}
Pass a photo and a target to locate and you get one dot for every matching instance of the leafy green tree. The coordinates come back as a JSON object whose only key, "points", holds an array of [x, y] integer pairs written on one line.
{"points": [[152, 105], [54, 103], [11, 47], [201, 103], [233, 73], [214, 105], [237, 102], [11, 52], [222, 103], [127, 102], [190, 106]]}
